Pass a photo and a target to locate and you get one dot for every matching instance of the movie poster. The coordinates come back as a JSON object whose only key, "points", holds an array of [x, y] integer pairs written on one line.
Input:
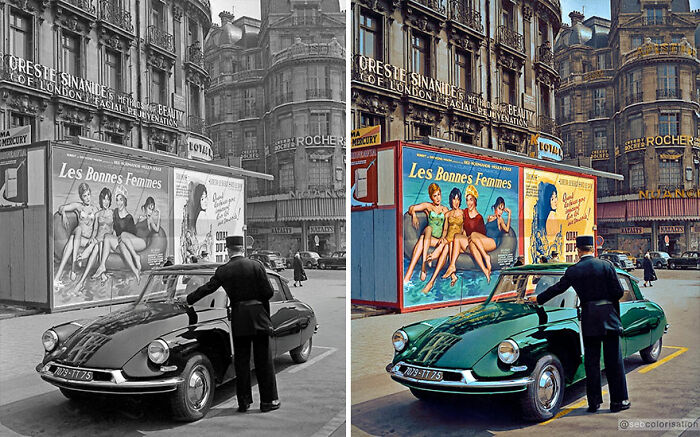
{"points": [[207, 209], [13, 178], [557, 208], [460, 225], [111, 225], [363, 175]]}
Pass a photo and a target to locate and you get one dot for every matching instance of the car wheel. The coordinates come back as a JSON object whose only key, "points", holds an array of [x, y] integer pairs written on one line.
{"points": [[424, 395], [194, 396], [651, 354], [301, 354], [73, 395], [671, 266], [322, 266], [545, 394], [309, 265]]}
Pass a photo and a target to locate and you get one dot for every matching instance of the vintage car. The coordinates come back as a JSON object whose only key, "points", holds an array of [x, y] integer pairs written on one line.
{"points": [[635, 261], [511, 345], [689, 260], [309, 259], [659, 259], [160, 345], [335, 261], [619, 260], [269, 260]]}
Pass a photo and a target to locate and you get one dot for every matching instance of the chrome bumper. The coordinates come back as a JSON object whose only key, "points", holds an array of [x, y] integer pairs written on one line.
{"points": [[467, 382], [117, 384]]}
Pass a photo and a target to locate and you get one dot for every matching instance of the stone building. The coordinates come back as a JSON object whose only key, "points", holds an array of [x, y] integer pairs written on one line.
{"points": [[277, 103], [628, 104], [128, 72], [479, 72]]}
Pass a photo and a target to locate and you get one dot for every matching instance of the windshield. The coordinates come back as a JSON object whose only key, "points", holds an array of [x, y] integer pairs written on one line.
{"points": [[523, 287], [166, 287], [664, 255]]}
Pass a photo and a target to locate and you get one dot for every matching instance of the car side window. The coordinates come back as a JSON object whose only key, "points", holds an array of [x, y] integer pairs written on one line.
{"points": [[287, 291], [278, 294], [628, 293]]}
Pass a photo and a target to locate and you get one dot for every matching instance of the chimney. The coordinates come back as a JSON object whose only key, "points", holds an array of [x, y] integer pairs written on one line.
{"points": [[576, 17]]}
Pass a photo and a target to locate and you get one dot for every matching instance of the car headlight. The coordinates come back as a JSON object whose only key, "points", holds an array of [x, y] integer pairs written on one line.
{"points": [[158, 351], [508, 351], [400, 340], [50, 340]]}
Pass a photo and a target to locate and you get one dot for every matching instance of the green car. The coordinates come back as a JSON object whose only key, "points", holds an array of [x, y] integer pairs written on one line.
{"points": [[511, 345]]}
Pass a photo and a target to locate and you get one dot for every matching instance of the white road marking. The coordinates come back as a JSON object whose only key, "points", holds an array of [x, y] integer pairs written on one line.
{"points": [[313, 361], [330, 427]]}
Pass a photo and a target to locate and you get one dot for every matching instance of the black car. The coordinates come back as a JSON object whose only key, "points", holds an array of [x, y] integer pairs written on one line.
{"points": [[335, 261], [689, 260], [158, 345], [271, 261]]}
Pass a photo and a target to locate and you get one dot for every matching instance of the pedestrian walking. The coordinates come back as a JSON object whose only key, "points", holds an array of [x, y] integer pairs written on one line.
{"points": [[649, 273], [249, 291], [299, 273], [599, 290]]}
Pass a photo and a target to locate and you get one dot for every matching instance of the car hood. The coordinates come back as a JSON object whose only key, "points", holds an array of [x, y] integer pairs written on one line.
{"points": [[111, 340], [462, 340]]}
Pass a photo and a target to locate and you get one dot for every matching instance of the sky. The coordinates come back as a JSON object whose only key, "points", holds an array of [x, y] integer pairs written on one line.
{"points": [[248, 8]]}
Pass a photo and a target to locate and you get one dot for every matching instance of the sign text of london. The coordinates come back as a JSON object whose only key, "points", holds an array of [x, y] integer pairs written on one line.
{"points": [[414, 84], [50, 80], [661, 140]]}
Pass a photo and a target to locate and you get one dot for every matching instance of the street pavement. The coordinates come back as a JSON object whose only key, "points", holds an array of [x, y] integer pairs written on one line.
{"points": [[380, 406], [312, 394]]}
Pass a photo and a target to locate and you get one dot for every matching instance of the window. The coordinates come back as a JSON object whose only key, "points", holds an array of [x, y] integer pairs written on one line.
{"points": [[17, 120], [599, 102], [636, 41], [654, 16], [627, 293], [277, 294], [463, 70], [634, 81], [670, 174], [423, 130], [602, 64], [544, 101], [21, 42], [667, 80], [509, 87], [676, 38], [668, 124], [420, 54], [286, 176], [314, 80], [194, 101], [250, 139], [320, 174], [657, 39], [157, 14], [158, 87], [564, 69], [319, 124], [192, 32], [285, 127], [507, 14], [72, 130], [368, 119], [600, 139], [249, 102], [636, 176], [70, 54], [113, 70], [566, 107], [542, 31], [635, 127], [304, 15], [370, 35]]}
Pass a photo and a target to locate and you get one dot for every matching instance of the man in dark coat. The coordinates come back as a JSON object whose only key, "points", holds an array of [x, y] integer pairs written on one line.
{"points": [[249, 291], [599, 290]]}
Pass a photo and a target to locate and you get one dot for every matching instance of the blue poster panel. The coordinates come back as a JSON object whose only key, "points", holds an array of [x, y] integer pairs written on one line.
{"points": [[460, 223], [111, 223]]}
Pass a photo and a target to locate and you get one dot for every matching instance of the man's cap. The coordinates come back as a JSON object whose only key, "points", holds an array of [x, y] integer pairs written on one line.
{"points": [[234, 241], [584, 240]]}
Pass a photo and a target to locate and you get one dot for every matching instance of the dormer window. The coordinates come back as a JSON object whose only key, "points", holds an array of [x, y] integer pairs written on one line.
{"points": [[654, 15]]}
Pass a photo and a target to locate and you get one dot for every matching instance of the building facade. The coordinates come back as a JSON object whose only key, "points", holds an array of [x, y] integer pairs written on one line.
{"points": [[128, 72], [478, 72], [628, 104], [277, 103]]}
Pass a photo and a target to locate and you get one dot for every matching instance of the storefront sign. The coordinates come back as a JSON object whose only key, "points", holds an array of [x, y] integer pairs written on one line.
{"points": [[285, 230], [366, 136], [400, 80], [546, 148], [671, 230], [321, 229], [669, 194], [307, 141], [199, 149], [82, 90], [652, 49], [600, 155], [661, 140], [635, 230], [16, 136], [13, 177]]}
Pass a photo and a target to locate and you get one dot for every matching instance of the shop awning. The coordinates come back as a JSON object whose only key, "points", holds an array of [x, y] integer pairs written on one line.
{"points": [[649, 210], [612, 212], [262, 212], [305, 209]]}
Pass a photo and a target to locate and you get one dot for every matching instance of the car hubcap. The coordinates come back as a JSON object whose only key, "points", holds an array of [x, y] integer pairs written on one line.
{"points": [[548, 386], [656, 349], [198, 387]]}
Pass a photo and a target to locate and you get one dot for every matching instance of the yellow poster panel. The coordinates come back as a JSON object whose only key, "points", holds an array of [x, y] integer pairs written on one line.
{"points": [[557, 208]]}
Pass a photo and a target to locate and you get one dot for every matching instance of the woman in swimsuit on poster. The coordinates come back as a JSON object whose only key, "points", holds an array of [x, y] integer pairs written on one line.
{"points": [[454, 219], [133, 242], [104, 220], [432, 234], [83, 234]]}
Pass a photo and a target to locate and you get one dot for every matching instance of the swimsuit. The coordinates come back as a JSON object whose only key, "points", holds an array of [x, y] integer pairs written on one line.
{"points": [[454, 226], [493, 231], [125, 224], [436, 220], [475, 224], [104, 225]]}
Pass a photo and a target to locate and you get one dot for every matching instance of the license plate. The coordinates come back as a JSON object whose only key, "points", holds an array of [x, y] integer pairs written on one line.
{"points": [[73, 374], [423, 374]]}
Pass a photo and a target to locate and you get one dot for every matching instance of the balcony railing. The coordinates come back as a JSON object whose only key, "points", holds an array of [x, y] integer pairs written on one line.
{"points": [[160, 38], [436, 5], [113, 13], [194, 54], [467, 16], [318, 94], [195, 124], [249, 112], [566, 118], [511, 39], [84, 5], [657, 21], [598, 74], [635, 97], [285, 97], [547, 125], [668, 94], [332, 49], [544, 54], [599, 112]]}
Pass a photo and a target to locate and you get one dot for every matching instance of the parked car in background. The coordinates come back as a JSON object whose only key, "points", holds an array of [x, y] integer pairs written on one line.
{"points": [[159, 345], [510, 345], [637, 262], [335, 261], [659, 259], [689, 260], [309, 259], [618, 260], [271, 261]]}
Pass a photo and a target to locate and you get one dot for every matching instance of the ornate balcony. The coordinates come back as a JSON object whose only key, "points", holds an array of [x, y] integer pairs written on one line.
{"points": [[668, 94], [302, 50], [194, 54], [84, 6], [435, 5], [635, 97], [657, 21], [511, 39], [547, 125], [161, 39], [112, 13], [318, 94], [466, 16], [195, 124], [544, 54]]}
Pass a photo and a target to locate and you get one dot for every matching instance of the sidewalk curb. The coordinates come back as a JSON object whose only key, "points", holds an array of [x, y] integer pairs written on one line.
{"points": [[20, 313]]}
